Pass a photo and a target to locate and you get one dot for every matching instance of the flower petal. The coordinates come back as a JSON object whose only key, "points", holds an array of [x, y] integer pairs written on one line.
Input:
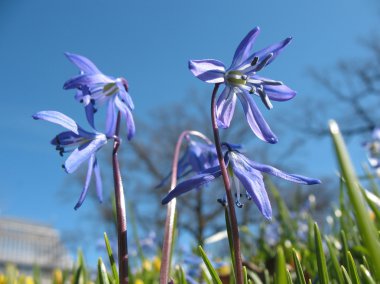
{"points": [[90, 110], [124, 96], [128, 117], [86, 79], [58, 118], [87, 182], [252, 181], [225, 107], [208, 70], [66, 138], [81, 154], [279, 92], [255, 119], [245, 47], [111, 118], [278, 173], [275, 49], [83, 63], [193, 182], [98, 181]]}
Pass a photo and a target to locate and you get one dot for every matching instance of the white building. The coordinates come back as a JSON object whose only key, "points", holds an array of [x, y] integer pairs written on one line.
{"points": [[28, 245]]}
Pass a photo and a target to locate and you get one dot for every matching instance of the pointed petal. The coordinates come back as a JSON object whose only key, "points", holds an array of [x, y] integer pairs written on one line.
{"points": [[274, 48], [243, 50], [225, 107], [58, 118], [278, 173], [81, 154], [128, 117], [98, 181], [208, 70], [124, 96], [84, 64], [252, 181], [255, 119], [89, 109], [193, 182], [86, 79], [66, 138], [111, 118], [279, 92], [87, 182]]}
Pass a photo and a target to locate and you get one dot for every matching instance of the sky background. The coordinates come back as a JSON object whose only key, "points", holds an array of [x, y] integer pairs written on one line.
{"points": [[149, 43]]}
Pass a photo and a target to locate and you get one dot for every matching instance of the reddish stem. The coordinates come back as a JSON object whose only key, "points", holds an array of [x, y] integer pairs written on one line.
{"points": [[227, 185]]}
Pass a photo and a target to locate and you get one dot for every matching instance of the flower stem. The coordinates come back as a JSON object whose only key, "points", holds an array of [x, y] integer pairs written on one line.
{"points": [[170, 214], [120, 210], [227, 185]]}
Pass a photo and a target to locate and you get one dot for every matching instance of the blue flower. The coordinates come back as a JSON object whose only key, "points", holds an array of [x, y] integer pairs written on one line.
{"points": [[244, 171], [83, 146], [241, 81], [197, 157], [95, 88]]}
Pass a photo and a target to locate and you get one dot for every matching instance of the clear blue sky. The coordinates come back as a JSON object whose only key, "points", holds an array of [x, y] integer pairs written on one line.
{"points": [[149, 43]]}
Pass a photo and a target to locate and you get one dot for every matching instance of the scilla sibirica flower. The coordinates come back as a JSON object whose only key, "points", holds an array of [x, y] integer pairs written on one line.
{"points": [[95, 88], [197, 157], [244, 171], [241, 81], [81, 144]]}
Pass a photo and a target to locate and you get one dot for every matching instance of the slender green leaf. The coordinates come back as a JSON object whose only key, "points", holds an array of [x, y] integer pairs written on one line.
{"points": [[266, 277], [181, 276], [288, 277], [321, 261], [112, 259], [245, 275], [280, 276], [373, 207], [102, 273], [335, 263], [367, 277], [366, 227], [230, 241], [300, 276], [210, 268], [346, 276], [352, 269], [344, 248]]}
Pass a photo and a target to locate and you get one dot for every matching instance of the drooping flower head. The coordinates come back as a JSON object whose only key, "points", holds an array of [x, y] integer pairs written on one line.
{"points": [[82, 145], [245, 172], [94, 89], [241, 81], [197, 157]]}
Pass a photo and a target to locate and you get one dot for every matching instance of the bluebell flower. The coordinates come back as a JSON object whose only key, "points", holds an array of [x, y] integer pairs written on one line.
{"points": [[94, 88], [241, 81], [197, 157], [244, 171], [82, 145], [373, 150]]}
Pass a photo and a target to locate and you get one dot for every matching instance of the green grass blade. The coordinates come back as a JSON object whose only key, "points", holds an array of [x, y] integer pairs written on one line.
{"points": [[210, 268], [300, 276], [352, 269], [335, 263], [102, 273], [346, 276], [289, 277], [367, 277], [321, 261], [367, 228], [230, 241], [245, 275], [280, 276], [112, 259]]}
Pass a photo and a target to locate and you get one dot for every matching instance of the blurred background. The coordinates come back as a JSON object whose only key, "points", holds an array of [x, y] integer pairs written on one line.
{"points": [[332, 63]]}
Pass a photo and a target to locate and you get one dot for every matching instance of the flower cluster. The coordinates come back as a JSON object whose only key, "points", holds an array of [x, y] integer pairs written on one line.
{"points": [[93, 89], [242, 81]]}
